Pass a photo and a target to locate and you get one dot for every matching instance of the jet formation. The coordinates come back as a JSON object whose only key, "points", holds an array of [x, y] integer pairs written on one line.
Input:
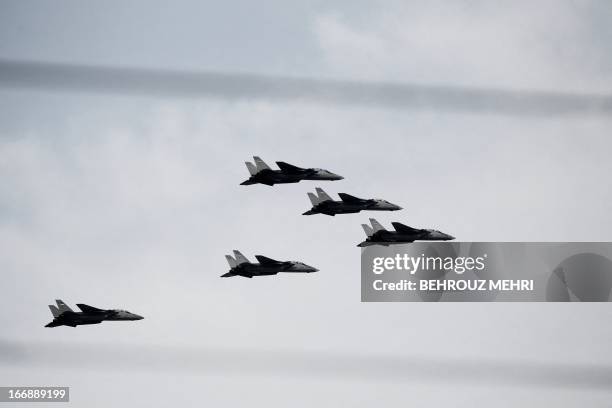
{"points": [[261, 173], [63, 315], [240, 266], [323, 204], [378, 235]]}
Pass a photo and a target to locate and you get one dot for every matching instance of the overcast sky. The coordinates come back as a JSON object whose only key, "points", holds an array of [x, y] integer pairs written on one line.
{"points": [[131, 202]]}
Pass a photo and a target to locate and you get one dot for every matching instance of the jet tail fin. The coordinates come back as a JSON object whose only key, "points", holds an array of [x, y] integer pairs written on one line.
{"points": [[260, 164], [54, 310], [62, 306], [376, 226], [252, 168], [231, 261], [323, 196], [314, 199], [368, 230], [240, 259]]}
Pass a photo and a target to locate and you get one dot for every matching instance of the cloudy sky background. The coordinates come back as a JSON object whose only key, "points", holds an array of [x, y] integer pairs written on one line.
{"points": [[132, 201]]}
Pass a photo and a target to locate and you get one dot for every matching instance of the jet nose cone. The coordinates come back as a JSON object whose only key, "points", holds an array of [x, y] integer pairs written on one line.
{"points": [[137, 317], [309, 269], [332, 176]]}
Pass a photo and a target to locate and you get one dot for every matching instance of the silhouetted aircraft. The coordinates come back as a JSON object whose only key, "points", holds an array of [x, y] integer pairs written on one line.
{"points": [[240, 266], [378, 235], [323, 204], [65, 316], [261, 173]]}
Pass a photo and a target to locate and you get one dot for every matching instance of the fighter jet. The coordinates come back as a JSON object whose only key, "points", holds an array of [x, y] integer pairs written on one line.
{"points": [[261, 173], [323, 204], [65, 316], [240, 266], [378, 235]]}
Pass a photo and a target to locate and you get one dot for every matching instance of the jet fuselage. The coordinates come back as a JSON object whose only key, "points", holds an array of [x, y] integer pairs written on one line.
{"points": [[386, 238], [331, 207], [91, 316], [266, 266], [271, 177]]}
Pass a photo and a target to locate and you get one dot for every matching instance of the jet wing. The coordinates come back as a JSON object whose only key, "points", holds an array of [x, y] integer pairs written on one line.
{"points": [[289, 168], [88, 309], [347, 198], [399, 227], [266, 261]]}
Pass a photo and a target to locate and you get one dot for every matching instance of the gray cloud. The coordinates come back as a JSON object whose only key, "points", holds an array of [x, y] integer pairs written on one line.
{"points": [[113, 80]]}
